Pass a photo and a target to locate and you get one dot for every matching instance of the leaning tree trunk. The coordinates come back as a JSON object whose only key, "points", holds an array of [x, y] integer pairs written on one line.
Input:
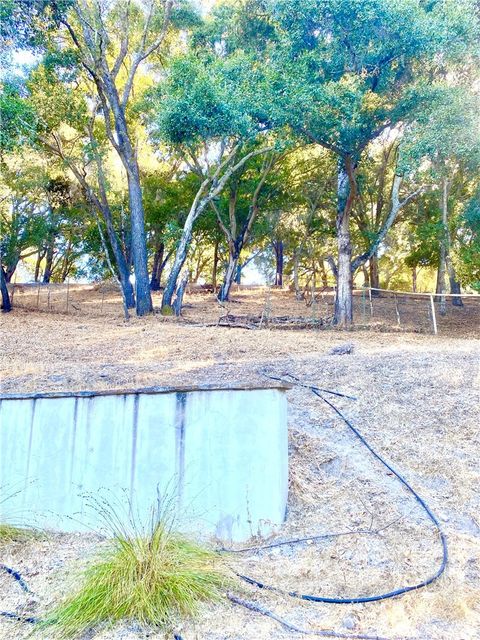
{"points": [[196, 210], [180, 257], [10, 271], [344, 293], [6, 304], [230, 275], [278, 246]]}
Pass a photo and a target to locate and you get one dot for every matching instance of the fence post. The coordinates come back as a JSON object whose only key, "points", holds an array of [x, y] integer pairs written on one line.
{"points": [[434, 318], [396, 309], [38, 296], [371, 301], [48, 296]]}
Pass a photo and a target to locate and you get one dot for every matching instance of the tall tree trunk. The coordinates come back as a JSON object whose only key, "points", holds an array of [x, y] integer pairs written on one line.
{"points": [[47, 274], [157, 267], [66, 262], [442, 265], [120, 261], [230, 276], [100, 205], [38, 262], [278, 246], [238, 273], [143, 297], [454, 284], [366, 276], [126, 152], [344, 294], [6, 305], [296, 279], [374, 275], [215, 267]]}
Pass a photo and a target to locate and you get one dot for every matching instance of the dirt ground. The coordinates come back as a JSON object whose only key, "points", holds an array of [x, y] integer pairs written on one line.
{"points": [[417, 403]]}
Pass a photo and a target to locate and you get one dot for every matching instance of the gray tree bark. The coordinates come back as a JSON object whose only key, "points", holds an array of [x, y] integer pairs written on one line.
{"points": [[230, 275], [450, 269], [210, 188], [343, 315], [6, 305], [278, 247]]}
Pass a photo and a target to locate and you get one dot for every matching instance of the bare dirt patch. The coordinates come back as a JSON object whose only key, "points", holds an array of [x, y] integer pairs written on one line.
{"points": [[418, 403]]}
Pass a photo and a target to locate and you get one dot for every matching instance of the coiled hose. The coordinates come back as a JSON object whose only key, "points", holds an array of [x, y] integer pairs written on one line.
{"points": [[358, 599]]}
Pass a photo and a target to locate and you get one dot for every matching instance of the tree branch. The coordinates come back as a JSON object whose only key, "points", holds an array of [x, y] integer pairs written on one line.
{"points": [[143, 52], [390, 219]]}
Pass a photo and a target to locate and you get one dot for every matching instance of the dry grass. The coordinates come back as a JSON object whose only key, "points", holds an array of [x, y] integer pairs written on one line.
{"points": [[260, 306], [418, 403]]}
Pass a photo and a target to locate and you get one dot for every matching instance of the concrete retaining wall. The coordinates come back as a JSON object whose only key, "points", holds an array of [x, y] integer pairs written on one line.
{"points": [[218, 456]]}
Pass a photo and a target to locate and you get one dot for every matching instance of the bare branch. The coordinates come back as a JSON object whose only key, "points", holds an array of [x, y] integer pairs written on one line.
{"points": [[223, 227], [123, 42], [390, 219], [143, 52]]}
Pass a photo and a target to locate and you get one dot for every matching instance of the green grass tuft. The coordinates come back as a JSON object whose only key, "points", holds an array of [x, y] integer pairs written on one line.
{"points": [[167, 310], [154, 580], [9, 533]]}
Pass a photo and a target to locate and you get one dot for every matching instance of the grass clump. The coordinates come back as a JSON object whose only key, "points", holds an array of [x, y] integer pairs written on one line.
{"points": [[167, 310], [9, 533], [154, 580]]}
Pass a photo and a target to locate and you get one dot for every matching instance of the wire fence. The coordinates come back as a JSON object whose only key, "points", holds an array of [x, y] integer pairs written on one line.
{"points": [[419, 312], [269, 307]]}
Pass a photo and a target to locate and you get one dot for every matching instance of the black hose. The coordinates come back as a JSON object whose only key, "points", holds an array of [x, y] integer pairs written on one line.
{"points": [[24, 587], [421, 502], [16, 576], [18, 618]]}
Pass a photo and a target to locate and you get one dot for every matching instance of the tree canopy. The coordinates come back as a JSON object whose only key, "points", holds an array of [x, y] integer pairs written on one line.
{"points": [[325, 138]]}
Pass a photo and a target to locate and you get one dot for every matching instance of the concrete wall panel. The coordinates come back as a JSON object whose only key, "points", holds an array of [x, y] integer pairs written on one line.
{"points": [[218, 458]]}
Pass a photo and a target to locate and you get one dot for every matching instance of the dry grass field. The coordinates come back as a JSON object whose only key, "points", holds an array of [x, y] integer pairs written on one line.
{"points": [[417, 403]]}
